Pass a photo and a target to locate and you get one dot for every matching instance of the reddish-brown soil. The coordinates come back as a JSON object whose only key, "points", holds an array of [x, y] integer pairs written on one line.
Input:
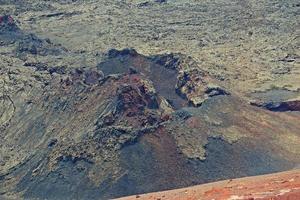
{"points": [[279, 186]]}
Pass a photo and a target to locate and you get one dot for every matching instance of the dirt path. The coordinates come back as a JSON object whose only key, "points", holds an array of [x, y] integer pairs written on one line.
{"points": [[279, 186]]}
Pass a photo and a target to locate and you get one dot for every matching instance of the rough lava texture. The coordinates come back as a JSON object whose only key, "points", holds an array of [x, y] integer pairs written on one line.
{"points": [[84, 116]]}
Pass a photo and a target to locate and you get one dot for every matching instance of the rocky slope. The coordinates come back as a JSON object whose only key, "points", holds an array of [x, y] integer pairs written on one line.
{"points": [[280, 186], [95, 123]]}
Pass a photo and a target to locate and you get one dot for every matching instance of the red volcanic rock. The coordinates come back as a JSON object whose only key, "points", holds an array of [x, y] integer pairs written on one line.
{"points": [[279, 186], [130, 98]]}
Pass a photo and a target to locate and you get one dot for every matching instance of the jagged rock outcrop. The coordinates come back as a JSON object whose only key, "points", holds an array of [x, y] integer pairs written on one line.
{"points": [[191, 84]]}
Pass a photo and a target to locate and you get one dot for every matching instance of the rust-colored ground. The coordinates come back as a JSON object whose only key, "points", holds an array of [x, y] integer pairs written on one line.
{"points": [[279, 186]]}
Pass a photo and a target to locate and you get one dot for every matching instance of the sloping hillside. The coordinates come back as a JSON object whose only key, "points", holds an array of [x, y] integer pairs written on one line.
{"points": [[209, 91], [280, 186]]}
